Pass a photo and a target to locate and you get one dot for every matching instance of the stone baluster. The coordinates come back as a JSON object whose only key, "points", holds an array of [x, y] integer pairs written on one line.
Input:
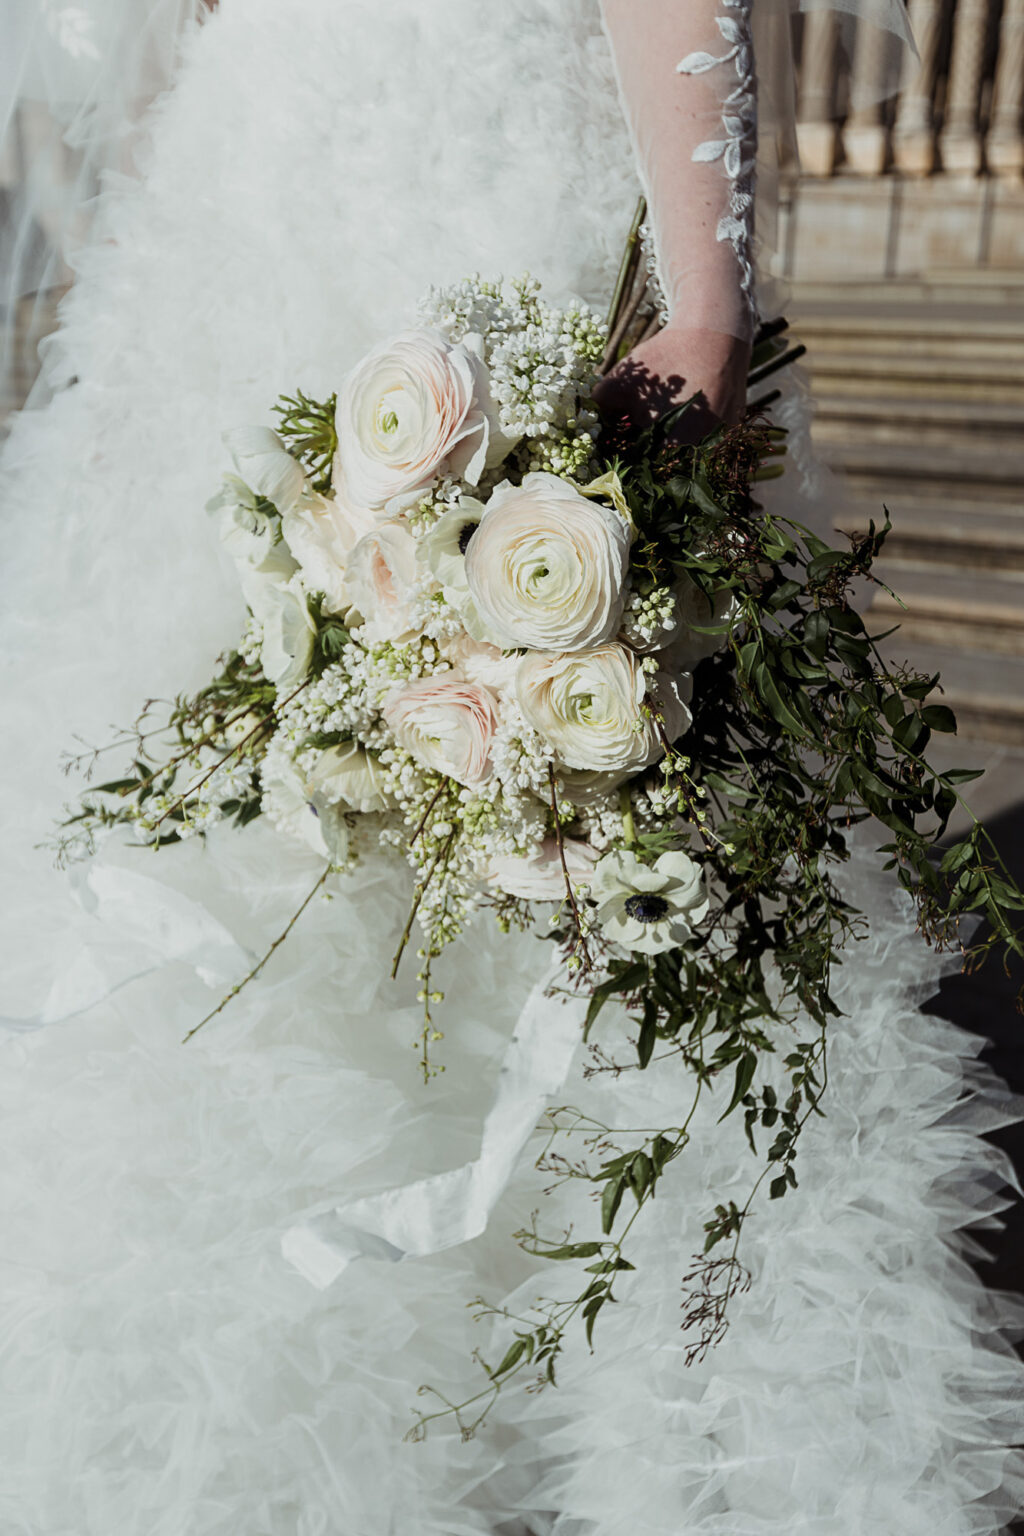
{"points": [[817, 132], [960, 145], [866, 136], [1005, 147], [914, 149]]}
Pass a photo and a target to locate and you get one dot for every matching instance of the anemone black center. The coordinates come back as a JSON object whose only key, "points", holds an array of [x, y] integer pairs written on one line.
{"points": [[465, 536], [646, 908]]}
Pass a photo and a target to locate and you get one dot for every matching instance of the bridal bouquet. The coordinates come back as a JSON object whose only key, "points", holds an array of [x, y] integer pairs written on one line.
{"points": [[575, 680]]}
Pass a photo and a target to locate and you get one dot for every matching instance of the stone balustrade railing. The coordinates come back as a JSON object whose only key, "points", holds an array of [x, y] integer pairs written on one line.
{"points": [[868, 107]]}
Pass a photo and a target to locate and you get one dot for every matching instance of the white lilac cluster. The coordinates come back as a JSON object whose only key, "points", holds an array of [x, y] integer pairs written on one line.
{"points": [[500, 690], [540, 361]]}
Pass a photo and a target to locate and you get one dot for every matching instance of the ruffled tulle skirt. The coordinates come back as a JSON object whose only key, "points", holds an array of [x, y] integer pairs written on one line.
{"points": [[164, 1369]]}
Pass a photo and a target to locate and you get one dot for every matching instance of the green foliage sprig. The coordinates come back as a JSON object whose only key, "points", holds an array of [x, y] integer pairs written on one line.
{"points": [[800, 731], [307, 427]]}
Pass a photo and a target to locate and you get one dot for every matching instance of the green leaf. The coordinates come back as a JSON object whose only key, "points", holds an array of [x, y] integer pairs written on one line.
{"points": [[746, 1068], [513, 1356], [626, 980], [820, 566], [937, 717], [816, 630], [569, 1251], [648, 1033], [611, 1200]]}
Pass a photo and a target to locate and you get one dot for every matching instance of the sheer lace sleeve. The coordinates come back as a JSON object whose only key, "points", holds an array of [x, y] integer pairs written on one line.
{"points": [[686, 74], [686, 71]]}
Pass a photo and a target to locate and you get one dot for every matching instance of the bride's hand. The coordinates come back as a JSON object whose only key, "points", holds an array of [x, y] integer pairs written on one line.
{"points": [[671, 367]]}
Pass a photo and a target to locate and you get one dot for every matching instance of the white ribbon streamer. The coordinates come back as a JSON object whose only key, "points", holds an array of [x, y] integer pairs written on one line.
{"points": [[446, 1209]]}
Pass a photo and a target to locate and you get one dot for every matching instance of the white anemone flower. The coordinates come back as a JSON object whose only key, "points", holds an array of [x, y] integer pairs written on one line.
{"points": [[649, 908], [265, 465]]}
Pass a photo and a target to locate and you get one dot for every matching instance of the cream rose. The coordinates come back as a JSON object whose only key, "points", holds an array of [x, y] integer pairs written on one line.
{"points": [[414, 408], [447, 725], [590, 707], [321, 533], [288, 631], [480, 663], [689, 645], [380, 578], [546, 568], [540, 876]]}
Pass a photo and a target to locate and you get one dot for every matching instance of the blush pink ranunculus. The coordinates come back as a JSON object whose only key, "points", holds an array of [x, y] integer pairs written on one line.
{"points": [[414, 408], [380, 578], [447, 725]]}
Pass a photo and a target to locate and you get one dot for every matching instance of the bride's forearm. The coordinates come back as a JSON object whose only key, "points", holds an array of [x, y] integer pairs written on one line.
{"points": [[686, 75]]}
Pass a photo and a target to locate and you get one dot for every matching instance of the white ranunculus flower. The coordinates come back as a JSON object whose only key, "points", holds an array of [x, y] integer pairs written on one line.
{"points": [[546, 568], [282, 611], [590, 707], [380, 578], [265, 464], [649, 909], [416, 407], [540, 876], [321, 533], [445, 724], [350, 776]]}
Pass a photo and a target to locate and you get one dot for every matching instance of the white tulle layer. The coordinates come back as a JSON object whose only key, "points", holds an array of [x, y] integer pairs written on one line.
{"points": [[164, 1371]]}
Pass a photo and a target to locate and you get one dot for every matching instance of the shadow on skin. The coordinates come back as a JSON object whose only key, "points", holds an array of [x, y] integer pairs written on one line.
{"points": [[633, 396]]}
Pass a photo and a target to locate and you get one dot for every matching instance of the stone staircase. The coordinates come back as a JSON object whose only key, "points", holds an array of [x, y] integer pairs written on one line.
{"points": [[920, 406]]}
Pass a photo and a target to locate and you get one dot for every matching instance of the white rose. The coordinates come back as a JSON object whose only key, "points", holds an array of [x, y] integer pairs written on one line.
{"points": [[265, 464], [281, 609], [540, 876], [590, 707], [546, 568], [321, 533], [414, 408], [584, 788], [690, 646], [348, 775], [445, 724], [649, 909], [380, 579], [479, 662]]}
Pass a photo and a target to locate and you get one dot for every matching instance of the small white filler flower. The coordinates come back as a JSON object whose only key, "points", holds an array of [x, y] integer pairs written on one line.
{"points": [[649, 908]]}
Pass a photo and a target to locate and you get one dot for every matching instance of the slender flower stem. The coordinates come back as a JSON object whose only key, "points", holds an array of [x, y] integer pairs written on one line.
{"points": [[421, 891], [261, 963], [581, 945], [255, 731], [444, 784], [627, 266], [628, 823]]}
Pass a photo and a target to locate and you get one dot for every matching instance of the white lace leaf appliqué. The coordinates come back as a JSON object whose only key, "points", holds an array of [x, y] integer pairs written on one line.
{"points": [[737, 148], [71, 27]]}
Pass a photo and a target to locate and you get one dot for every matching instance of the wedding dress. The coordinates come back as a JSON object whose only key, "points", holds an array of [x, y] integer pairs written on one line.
{"points": [[165, 1369]]}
